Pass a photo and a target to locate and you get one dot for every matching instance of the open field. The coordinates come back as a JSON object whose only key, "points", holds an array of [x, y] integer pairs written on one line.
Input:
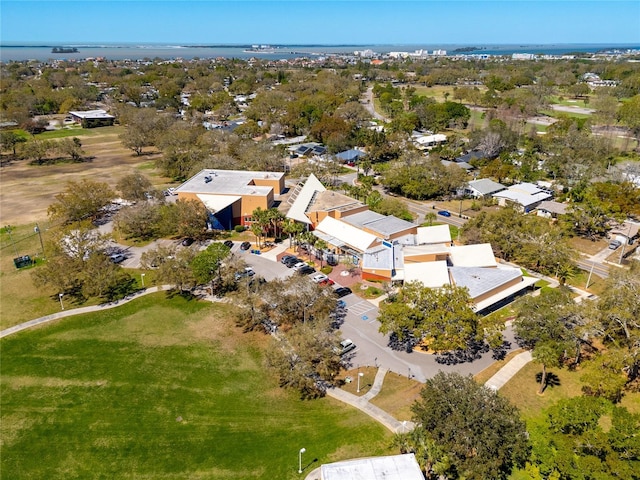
{"points": [[522, 389], [397, 395], [162, 388], [28, 190]]}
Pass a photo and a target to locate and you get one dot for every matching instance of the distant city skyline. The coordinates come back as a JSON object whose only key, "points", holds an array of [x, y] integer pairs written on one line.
{"points": [[320, 22]]}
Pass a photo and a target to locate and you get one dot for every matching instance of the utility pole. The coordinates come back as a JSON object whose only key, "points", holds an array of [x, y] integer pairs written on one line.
{"points": [[593, 264], [8, 229], [37, 230]]}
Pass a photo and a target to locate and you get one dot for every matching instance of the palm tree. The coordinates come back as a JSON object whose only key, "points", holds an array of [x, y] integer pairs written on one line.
{"points": [[293, 229], [430, 218]]}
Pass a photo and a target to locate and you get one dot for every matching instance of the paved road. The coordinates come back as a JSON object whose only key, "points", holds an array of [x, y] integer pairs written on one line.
{"points": [[368, 104]]}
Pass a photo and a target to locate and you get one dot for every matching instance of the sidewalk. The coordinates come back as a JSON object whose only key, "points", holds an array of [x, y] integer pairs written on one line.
{"points": [[78, 311], [509, 370], [362, 403]]}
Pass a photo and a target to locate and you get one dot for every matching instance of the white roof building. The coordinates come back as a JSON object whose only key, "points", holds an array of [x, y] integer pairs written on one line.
{"points": [[303, 198], [433, 234], [479, 255], [393, 467], [341, 234], [526, 195], [431, 274]]}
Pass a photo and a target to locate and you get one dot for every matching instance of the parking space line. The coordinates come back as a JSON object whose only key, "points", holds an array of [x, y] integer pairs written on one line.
{"points": [[361, 307]]}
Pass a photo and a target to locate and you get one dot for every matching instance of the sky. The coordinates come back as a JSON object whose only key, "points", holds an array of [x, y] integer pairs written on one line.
{"points": [[301, 22]]}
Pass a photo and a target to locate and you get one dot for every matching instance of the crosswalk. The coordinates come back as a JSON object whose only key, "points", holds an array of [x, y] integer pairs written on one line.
{"points": [[361, 307]]}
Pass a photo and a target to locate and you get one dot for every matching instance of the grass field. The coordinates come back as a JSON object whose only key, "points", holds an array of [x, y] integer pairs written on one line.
{"points": [[162, 388], [28, 190]]}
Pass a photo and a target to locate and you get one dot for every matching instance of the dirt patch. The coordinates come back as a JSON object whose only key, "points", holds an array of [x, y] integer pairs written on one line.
{"points": [[590, 247], [28, 190]]}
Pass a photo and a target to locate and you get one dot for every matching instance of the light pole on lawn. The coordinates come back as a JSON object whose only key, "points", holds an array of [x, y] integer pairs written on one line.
{"points": [[302, 450], [360, 375], [60, 295], [142, 278]]}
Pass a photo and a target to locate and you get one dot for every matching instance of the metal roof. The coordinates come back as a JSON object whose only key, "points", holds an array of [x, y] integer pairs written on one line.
{"points": [[431, 274], [346, 234], [303, 199], [482, 280], [383, 225], [486, 186]]}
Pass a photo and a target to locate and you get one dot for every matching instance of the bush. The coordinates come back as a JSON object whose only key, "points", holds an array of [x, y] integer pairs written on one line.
{"points": [[239, 228], [327, 269]]}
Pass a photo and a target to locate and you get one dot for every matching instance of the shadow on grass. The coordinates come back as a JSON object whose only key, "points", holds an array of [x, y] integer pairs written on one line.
{"points": [[552, 380]]}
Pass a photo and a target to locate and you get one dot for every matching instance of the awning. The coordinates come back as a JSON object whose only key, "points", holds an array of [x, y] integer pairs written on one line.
{"points": [[215, 203]]}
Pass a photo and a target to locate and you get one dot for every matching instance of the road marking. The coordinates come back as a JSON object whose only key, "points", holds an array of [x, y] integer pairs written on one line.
{"points": [[365, 318], [361, 307]]}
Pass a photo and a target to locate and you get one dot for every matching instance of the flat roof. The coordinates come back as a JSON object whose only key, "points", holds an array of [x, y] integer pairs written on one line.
{"points": [[392, 467], [382, 224], [91, 114], [229, 182], [433, 234], [431, 274], [383, 257], [479, 255], [331, 200], [486, 186]]}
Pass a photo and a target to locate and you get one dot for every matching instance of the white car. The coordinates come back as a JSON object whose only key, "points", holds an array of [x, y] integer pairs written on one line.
{"points": [[319, 277], [299, 265]]}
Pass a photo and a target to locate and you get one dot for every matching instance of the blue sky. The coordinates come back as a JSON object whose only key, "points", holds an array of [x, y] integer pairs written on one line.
{"points": [[321, 22]]}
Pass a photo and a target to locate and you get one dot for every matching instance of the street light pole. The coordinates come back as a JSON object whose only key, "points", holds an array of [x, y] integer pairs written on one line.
{"points": [[360, 375], [60, 295], [142, 279], [302, 450], [37, 230], [593, 264]]}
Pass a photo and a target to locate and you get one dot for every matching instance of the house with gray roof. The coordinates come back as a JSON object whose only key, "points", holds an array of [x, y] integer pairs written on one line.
{"points": [[483, 188]]}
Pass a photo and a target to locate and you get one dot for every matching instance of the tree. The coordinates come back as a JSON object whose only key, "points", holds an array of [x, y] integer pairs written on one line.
{"points": [[142, 221], [305, 358], [71, 147], [629, 113], [81, 200], [587, 438], [292, 228], [77, 265], [206, 264], [541, 327], [482, 437], [9, 140], [136, 187], [186, 218], [37, 150], [440, 319]]}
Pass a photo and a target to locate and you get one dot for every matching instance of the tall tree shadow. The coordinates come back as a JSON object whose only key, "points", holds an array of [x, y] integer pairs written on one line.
{"points": [[552, 380]]}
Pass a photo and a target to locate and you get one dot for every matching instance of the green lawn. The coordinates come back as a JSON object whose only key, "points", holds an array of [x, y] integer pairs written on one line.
{"points": [[162, 388]]}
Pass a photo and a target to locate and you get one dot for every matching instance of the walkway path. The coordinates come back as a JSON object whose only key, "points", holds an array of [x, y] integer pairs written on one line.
{"points": [[362, 403], [509, 370], [78, 311]]}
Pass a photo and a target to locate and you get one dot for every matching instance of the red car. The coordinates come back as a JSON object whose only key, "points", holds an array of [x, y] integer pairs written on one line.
{"points": [[328, 281]]}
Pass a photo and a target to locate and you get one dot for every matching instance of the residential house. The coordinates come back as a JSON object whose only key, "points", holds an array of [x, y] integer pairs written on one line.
{"points": [[483, 188], [524, 196], [551, 209], [350, 156]]}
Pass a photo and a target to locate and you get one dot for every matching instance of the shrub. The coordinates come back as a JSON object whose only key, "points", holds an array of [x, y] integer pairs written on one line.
{"points": [[239, 228], [327, 269]]}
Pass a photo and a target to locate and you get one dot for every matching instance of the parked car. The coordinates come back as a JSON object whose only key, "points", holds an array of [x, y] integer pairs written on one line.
{"points": [[306, 270], [291, 262], [247, 272], [328, 281], [444, 213], [614, 244], [245, 246], [287, 258], [319, 278], [228, 243], [187, 242], [117, 258], [299, 265], [346, 346], [342, 291]]}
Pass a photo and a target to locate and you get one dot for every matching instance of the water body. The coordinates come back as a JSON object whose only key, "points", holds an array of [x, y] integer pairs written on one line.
{"points": [[22, 52]]}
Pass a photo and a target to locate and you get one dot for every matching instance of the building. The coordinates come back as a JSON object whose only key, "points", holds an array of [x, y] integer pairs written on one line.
{"points": [[232, 195], [93, 118], [483, 188], [350, 156], [551, 209], [392, 467], [428, 141], [524, 196]]}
